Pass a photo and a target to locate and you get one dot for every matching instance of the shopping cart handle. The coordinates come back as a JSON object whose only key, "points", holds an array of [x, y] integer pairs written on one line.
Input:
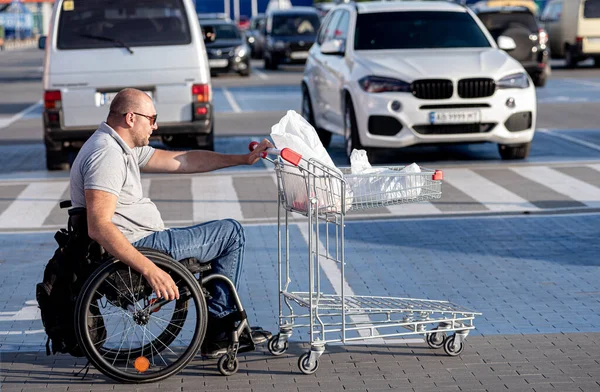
{"points": [[437, 175], [287, 154]]}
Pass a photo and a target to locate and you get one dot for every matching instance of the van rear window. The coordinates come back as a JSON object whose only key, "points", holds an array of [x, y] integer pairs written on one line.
{"points": [[591, 9], [110, 23]]}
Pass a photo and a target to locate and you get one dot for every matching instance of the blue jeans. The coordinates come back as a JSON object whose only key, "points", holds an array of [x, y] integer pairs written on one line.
{"points": [[221, 241]]}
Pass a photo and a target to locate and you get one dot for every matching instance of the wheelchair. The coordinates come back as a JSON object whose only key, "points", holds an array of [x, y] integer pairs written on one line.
{"points": [[130, 335]]}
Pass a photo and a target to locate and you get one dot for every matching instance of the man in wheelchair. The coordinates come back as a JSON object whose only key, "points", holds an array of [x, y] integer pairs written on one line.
{"points": [[105, 179]]}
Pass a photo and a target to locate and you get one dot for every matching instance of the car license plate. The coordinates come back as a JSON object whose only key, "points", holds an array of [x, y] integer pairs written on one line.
{"points": [[218, 63], [455, 117], [299, 55], [104, 99]]}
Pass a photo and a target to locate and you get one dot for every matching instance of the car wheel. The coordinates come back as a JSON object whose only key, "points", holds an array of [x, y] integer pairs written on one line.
{"points": [[57, 160], [539, 80], [514, 151], [245, 72], [351, 129], [307, 113]]}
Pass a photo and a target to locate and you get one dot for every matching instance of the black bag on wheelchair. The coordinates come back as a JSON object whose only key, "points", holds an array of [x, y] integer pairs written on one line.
{"points": [[75, 259]]}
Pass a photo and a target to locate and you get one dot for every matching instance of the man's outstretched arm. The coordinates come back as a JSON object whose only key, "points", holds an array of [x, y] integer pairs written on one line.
{"points": [[200, 161], [101, 207]]}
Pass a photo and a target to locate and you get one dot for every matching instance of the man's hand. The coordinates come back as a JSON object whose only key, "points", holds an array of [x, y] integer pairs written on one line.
{"points": [[255, 155], [162, 284]]}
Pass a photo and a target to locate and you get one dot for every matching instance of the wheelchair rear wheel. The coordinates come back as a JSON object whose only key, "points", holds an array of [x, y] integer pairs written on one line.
{"points": [[130, 335]]}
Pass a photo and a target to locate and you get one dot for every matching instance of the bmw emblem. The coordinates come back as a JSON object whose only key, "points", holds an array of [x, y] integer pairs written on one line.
{"points": [[301, 43], [218, 53]]}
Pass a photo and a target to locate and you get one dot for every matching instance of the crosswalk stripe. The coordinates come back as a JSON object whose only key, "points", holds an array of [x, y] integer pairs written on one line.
{"points": [[33, 205], [537, 193], [488, 193], [214, 197], [595, 166], [563, 184]]}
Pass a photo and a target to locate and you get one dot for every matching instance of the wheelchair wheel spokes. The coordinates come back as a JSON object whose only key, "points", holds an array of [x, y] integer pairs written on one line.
{"points": [[139, 341]]}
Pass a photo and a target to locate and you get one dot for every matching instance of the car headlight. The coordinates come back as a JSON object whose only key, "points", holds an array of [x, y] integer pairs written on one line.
{"points": [[240, 51], [518, 80], [279, 45], [378, 84]]}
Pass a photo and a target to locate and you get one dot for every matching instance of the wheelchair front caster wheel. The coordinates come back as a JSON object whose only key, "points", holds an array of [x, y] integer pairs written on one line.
{"points": [[304, 365], [450, 348], [228, 366], [435, 339], [273, 346]]}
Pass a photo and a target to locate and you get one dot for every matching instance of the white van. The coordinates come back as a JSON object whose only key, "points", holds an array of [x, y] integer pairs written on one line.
{"points": [[573, 28], [96, 48]]}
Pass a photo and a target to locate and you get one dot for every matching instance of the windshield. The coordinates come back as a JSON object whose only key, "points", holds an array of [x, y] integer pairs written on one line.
{"points": [[223, 31], [498, 22], [418, 30], [591, 9], [99, 24], [301, 24]]}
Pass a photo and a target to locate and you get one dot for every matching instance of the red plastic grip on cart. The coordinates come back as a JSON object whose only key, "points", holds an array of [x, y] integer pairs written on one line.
{"points": [[253, 145], [437, 175], [291, 156]]}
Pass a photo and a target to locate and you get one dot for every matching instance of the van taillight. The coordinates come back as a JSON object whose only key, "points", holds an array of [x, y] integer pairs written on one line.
{"points": [[201, 92], [579, 39], [52, 99], [543, 36]]}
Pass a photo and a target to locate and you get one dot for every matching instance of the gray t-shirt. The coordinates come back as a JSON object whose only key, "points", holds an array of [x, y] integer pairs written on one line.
{"points": [[107, 164]]}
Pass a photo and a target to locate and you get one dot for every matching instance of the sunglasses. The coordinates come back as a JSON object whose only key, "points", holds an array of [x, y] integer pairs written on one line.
{"points": [[152, 119]]}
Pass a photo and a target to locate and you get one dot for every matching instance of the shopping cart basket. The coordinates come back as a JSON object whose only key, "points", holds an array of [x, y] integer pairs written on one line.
{"points": [[324, 195]]}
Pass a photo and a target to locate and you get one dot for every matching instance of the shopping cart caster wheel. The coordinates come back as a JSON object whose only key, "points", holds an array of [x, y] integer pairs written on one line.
{"points": [[451, 349], [273, 346], [303, 364], [436, 339], [226, 366]]}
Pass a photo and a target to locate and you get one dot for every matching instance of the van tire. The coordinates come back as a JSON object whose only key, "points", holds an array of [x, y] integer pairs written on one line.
{"points": [[570, 60], [57, 160]]}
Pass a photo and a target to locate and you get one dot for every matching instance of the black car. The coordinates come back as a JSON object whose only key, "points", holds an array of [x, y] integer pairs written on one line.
{"points": [[520, 24], [289, 34], [226, 47], [255, 37]]}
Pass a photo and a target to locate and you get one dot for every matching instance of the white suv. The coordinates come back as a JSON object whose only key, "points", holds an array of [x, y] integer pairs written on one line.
{"points": [[395, 74]]}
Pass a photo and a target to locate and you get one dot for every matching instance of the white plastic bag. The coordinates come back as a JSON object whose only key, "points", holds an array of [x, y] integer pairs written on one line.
{"points": [[381, 185], [294, 132]]}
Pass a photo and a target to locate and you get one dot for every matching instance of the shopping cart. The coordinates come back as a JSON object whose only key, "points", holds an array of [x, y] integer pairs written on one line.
{"points": [[324, 195]]}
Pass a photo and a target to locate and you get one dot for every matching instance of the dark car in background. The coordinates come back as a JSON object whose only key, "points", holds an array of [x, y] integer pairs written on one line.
{"points": [[255, 37], [520, 24], [289, 34], [226, 47]]}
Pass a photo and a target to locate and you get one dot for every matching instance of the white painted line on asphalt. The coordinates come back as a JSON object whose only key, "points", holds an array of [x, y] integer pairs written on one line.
{"points": [[234, 106], [32, 332], [33, 205], [215, 198], [334, 275], [571, 139], [260, 74], [5, 122], [421, 208], [488, 193], [26, 313], [584, 82], [562, 183]]}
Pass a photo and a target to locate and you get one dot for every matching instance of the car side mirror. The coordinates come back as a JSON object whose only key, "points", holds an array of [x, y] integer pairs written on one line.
{"points": [[42, 42], [506, 43], [334, 46]]}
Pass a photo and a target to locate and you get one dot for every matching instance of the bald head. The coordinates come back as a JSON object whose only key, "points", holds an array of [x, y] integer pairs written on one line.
{"points": [[128, 100]]}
